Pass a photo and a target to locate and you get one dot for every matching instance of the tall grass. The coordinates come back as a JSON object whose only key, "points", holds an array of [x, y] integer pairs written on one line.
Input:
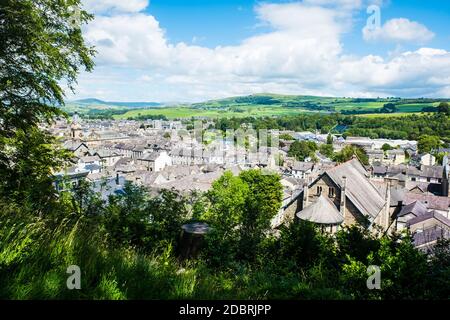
{"points": [[34, 258]]}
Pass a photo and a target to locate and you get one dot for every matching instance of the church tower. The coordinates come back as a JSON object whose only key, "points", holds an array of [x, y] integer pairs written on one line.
{"points": [[75, 127]]}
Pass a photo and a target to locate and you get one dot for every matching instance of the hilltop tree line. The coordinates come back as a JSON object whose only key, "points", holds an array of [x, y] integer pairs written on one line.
{"points": [[411, 127]]}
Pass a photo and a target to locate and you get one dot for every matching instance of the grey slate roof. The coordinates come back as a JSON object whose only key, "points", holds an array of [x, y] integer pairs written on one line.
{"points": [[360, 190], [432, 214], [150, 157], [431, 201], [432, 171], [430, 235], [382, 170], [417, 208], [322, 211], [302, 166]]}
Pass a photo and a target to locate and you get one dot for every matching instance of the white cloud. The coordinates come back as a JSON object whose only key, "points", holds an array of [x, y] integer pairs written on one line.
{"points": [[302, 54], [399, 30], [103, 6]]}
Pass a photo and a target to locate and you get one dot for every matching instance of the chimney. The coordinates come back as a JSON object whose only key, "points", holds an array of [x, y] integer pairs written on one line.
{"points": [[386, 219], [305, 193], [343, 200]]}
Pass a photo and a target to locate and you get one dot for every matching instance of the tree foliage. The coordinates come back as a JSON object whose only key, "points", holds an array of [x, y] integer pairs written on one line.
{"points": [[302, 150], [428, 143], [240, 211], [348, 152], [40, 48]]}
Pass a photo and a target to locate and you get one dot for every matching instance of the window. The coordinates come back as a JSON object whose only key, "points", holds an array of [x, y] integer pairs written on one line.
{"points": [[428, 179], [331, 192], [319, 190]]}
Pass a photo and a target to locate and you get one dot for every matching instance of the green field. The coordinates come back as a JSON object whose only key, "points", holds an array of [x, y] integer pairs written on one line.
{"points": [[391, 115], [359, 106], [260, 105], [188, 112]]}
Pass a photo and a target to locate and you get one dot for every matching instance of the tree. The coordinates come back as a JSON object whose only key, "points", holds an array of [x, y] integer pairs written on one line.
{"points": [[240, 211], [330, 139], [444, 108], [349, 151], [286, 136], [262, 204], [439, 270], [389, 108], [39, 49], [27, 164], [327, 150], [302, 149], [227, 199], [304, 244], [385, 147], [428, 143]]}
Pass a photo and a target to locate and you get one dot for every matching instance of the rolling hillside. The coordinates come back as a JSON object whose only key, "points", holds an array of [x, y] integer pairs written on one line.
{"points": [[251, 106]]}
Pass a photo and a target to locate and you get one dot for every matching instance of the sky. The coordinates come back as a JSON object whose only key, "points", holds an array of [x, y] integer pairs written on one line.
{"points": [[191, 51]]}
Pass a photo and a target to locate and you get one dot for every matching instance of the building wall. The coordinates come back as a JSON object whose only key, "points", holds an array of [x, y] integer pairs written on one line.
{"points": [[325, 184], [162, 161], [292, 209], [81, 151], [351, 214]]}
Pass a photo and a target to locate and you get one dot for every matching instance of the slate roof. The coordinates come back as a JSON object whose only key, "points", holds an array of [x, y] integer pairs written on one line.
{"points": [[302, 166], [73, 145], [432, 171], [431, 201], [151, 156], [379, 170], [430, 235], [417, 208], [396, 152], [429, 215], [322, 211], [360, 190]]}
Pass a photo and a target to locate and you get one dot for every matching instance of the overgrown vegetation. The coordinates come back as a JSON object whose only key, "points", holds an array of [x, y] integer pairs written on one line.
{"points": [[127, 249], [127, 246]]}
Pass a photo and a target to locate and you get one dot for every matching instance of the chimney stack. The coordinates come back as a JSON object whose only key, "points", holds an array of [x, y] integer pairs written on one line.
{"points": [[305, 193], [343, 200]]}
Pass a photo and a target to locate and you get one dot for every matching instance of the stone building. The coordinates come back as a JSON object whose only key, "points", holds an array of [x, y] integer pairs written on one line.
{"points": [[343, 195]]}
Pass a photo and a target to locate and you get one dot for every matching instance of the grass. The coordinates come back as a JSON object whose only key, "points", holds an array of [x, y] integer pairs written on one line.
{"points": [[347, 106], [33, 265], [188, 112], [392, 115]]}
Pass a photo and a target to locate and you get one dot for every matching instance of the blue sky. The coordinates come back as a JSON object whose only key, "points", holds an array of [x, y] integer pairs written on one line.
{"points": [[228, 22], [173, 50]]}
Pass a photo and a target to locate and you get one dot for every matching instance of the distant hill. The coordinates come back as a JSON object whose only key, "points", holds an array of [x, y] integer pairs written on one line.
{"points": [[98, 102], [256, 105]]}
